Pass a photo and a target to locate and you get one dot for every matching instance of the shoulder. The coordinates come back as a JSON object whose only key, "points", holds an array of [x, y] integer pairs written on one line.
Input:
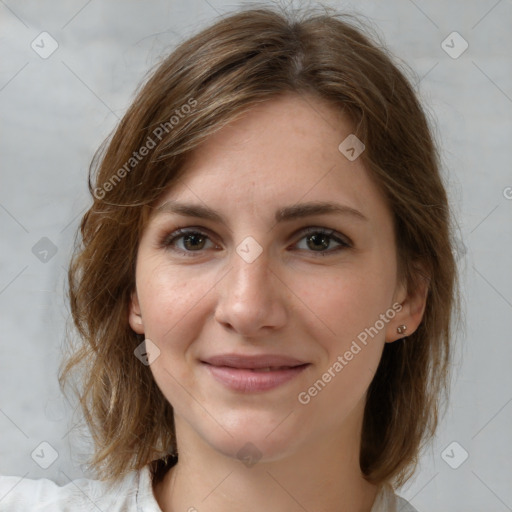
{"points": [[402, 505], [388, 501], [133, 493]]}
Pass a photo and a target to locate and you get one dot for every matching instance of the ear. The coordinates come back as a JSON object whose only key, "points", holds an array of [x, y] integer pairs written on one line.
{"points": [[412, 306], [135, 316]]}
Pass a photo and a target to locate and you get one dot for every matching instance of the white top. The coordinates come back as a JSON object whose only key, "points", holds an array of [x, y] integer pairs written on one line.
{"points": [[133, 494]]}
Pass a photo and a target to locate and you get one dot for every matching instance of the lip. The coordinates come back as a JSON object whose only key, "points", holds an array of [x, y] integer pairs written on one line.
{"points": [[240, 373], [252, 362]]}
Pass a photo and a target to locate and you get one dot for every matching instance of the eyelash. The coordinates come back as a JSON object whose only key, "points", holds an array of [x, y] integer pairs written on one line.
{"points": [[168, 240]]}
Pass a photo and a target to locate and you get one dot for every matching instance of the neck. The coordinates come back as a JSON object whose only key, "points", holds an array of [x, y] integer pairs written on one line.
{"points": [[323, 475]]}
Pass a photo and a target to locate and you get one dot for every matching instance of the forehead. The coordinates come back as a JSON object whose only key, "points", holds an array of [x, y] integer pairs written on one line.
{"points": [[281, 152], [292, 129]]}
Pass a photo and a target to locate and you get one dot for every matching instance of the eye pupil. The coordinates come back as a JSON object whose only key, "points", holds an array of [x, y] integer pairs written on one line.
{"points": [[195, 237], [323, 239]]}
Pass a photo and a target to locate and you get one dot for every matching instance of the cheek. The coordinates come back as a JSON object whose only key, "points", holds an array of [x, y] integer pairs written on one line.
{"points": [[168, 298], [347, 324], [172, 302], [346, 303]]}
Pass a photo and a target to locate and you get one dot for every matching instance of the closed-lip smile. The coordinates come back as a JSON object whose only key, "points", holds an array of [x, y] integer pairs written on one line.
{"points": [[251, 373]]}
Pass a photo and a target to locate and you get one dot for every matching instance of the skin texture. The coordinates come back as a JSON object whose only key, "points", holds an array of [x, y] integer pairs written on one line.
{"points": [[290, 300]]}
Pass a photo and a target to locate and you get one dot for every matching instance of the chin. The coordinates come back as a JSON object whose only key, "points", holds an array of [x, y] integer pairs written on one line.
{"points": [[255, 440]]}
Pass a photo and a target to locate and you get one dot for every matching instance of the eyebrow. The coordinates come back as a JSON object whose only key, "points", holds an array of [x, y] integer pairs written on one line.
{"points": [[288, 213]]}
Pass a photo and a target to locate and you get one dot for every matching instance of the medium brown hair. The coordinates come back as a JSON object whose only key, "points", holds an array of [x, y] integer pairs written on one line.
{"points": [[242, 59]]}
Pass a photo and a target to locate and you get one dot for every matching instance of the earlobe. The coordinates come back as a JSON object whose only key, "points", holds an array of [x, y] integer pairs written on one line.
{"points": [[135, 316]]}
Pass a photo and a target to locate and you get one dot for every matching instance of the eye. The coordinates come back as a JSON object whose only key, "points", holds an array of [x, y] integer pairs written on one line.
{"points": [[193, 241], [319, 239]]}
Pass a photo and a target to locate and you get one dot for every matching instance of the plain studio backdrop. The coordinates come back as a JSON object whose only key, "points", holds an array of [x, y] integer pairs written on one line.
{"points": [[68, 72]]}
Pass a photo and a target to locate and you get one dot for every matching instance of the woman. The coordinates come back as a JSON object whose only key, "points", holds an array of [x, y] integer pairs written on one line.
{"points": [[265, 283]]}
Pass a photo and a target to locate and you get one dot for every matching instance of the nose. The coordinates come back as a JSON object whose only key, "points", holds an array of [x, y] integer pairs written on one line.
{"points": [[252, 298]]}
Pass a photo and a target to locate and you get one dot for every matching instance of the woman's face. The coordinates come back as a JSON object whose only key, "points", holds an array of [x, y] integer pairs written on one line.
{"points": [[269, 275]]}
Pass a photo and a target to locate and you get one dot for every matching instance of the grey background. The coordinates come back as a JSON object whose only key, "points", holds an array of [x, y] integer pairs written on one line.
{"points": [[56, 111]]}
